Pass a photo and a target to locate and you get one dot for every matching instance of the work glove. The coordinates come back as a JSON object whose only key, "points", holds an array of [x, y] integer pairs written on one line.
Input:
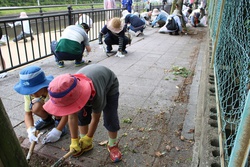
{"points": [[74, 146], [86, 143], [100, 38], [31, 134], [119, 54], [85, 54], [52, 136]]}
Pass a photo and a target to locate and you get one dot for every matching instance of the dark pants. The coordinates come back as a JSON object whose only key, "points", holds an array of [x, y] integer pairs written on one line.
{"points": [[109, 41], [59, 56], [23, 35], [135, 29], [110, 114], [161, 23]]}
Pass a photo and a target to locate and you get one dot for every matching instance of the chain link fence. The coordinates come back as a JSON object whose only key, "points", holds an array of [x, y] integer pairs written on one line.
{"points": [[229, 23]]}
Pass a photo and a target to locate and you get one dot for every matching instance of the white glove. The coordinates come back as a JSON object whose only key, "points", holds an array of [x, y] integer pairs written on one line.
{"points": [[52, 136], [119, 54], [85, 54], [31, 134], [11, 25]]}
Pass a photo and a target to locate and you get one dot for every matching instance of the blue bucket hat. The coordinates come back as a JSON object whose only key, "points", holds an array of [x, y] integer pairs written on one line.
{"points": [[31, 80]]}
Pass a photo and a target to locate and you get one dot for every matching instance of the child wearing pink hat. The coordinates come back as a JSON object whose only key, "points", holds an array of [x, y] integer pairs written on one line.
{"points": [[82, 97]]}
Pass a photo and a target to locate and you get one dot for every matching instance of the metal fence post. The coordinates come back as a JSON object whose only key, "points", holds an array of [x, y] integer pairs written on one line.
{"points": [[217, 34], [70, 14], [241, 147]]}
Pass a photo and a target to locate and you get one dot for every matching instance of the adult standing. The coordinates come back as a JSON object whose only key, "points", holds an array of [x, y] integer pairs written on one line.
{"points": [[109, 4], [129, 4]]}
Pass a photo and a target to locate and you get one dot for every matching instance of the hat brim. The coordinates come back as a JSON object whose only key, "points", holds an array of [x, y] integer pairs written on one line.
{"points": [[115, 30], [31, 90], [85, 93]]}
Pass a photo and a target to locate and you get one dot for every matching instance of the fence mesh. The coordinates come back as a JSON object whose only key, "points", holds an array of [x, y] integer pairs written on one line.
{"points": [[231, 63]]}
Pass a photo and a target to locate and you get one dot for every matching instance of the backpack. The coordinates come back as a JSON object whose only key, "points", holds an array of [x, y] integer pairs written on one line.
{"points": [[172, 25]]}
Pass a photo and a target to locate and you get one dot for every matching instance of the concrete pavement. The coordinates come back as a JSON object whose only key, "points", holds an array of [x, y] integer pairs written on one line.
{"points": [[156, 107]]}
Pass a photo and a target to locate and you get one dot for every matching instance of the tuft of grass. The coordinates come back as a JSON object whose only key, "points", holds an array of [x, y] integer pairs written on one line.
{"points": [[181, 71]]}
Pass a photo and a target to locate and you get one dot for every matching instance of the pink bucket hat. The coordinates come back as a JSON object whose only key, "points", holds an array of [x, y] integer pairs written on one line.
{"points": [[68, 94]]}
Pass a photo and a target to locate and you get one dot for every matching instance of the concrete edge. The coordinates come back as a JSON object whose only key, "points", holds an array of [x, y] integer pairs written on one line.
{"points": [[201, 102]]}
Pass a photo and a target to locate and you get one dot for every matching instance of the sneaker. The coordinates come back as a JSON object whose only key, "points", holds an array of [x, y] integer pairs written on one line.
{"points": [[60, 64], [108, 51], [132, 32], [83, 62], [114, 153], [41, 124], [119, 55], [85, 146], [138, 33], [124, 52], [64, 130]]}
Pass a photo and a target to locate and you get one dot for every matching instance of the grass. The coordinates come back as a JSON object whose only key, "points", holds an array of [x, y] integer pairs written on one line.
{"points": [[29, 10]]}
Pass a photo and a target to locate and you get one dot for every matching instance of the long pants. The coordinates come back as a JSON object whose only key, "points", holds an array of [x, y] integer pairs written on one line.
{"points": [[59, 56], [109, 41], [23, 35]]}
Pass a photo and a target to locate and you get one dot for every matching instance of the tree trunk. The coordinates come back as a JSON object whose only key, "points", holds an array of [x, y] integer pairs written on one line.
{"points": [[11, 153]]}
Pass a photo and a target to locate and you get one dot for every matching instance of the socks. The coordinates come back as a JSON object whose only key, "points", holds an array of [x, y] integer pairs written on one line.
{"points": [[112, 142], [82, 135]]}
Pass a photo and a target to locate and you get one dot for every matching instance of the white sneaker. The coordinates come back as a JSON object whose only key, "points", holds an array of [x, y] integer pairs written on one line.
{"points": [[131, 32], [138, 33], [119, 54]]}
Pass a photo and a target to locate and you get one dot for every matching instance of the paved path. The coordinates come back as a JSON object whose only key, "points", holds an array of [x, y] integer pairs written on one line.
{"points": [[155, 100]]}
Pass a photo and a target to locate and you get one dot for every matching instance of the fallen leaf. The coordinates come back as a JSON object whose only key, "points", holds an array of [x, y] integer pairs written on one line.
{"points": [[158, 154], [177, 148], [124, 134], [191, 131], [141, 129], [105, 142], [168, 147], [182, 138]]}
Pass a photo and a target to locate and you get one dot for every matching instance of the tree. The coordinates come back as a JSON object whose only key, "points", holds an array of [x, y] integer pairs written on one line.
{"points": [[11, 153]]}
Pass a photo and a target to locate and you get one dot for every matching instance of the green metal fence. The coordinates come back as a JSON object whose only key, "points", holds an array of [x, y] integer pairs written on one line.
{"points": [[229, 23]]}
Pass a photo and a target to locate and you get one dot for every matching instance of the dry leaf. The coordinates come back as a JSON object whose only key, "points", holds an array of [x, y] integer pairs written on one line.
{"points": [[191, 131], [177, 148], [141, 129], [168, 147], [158, 154], [103, 143], [182, 138]]}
